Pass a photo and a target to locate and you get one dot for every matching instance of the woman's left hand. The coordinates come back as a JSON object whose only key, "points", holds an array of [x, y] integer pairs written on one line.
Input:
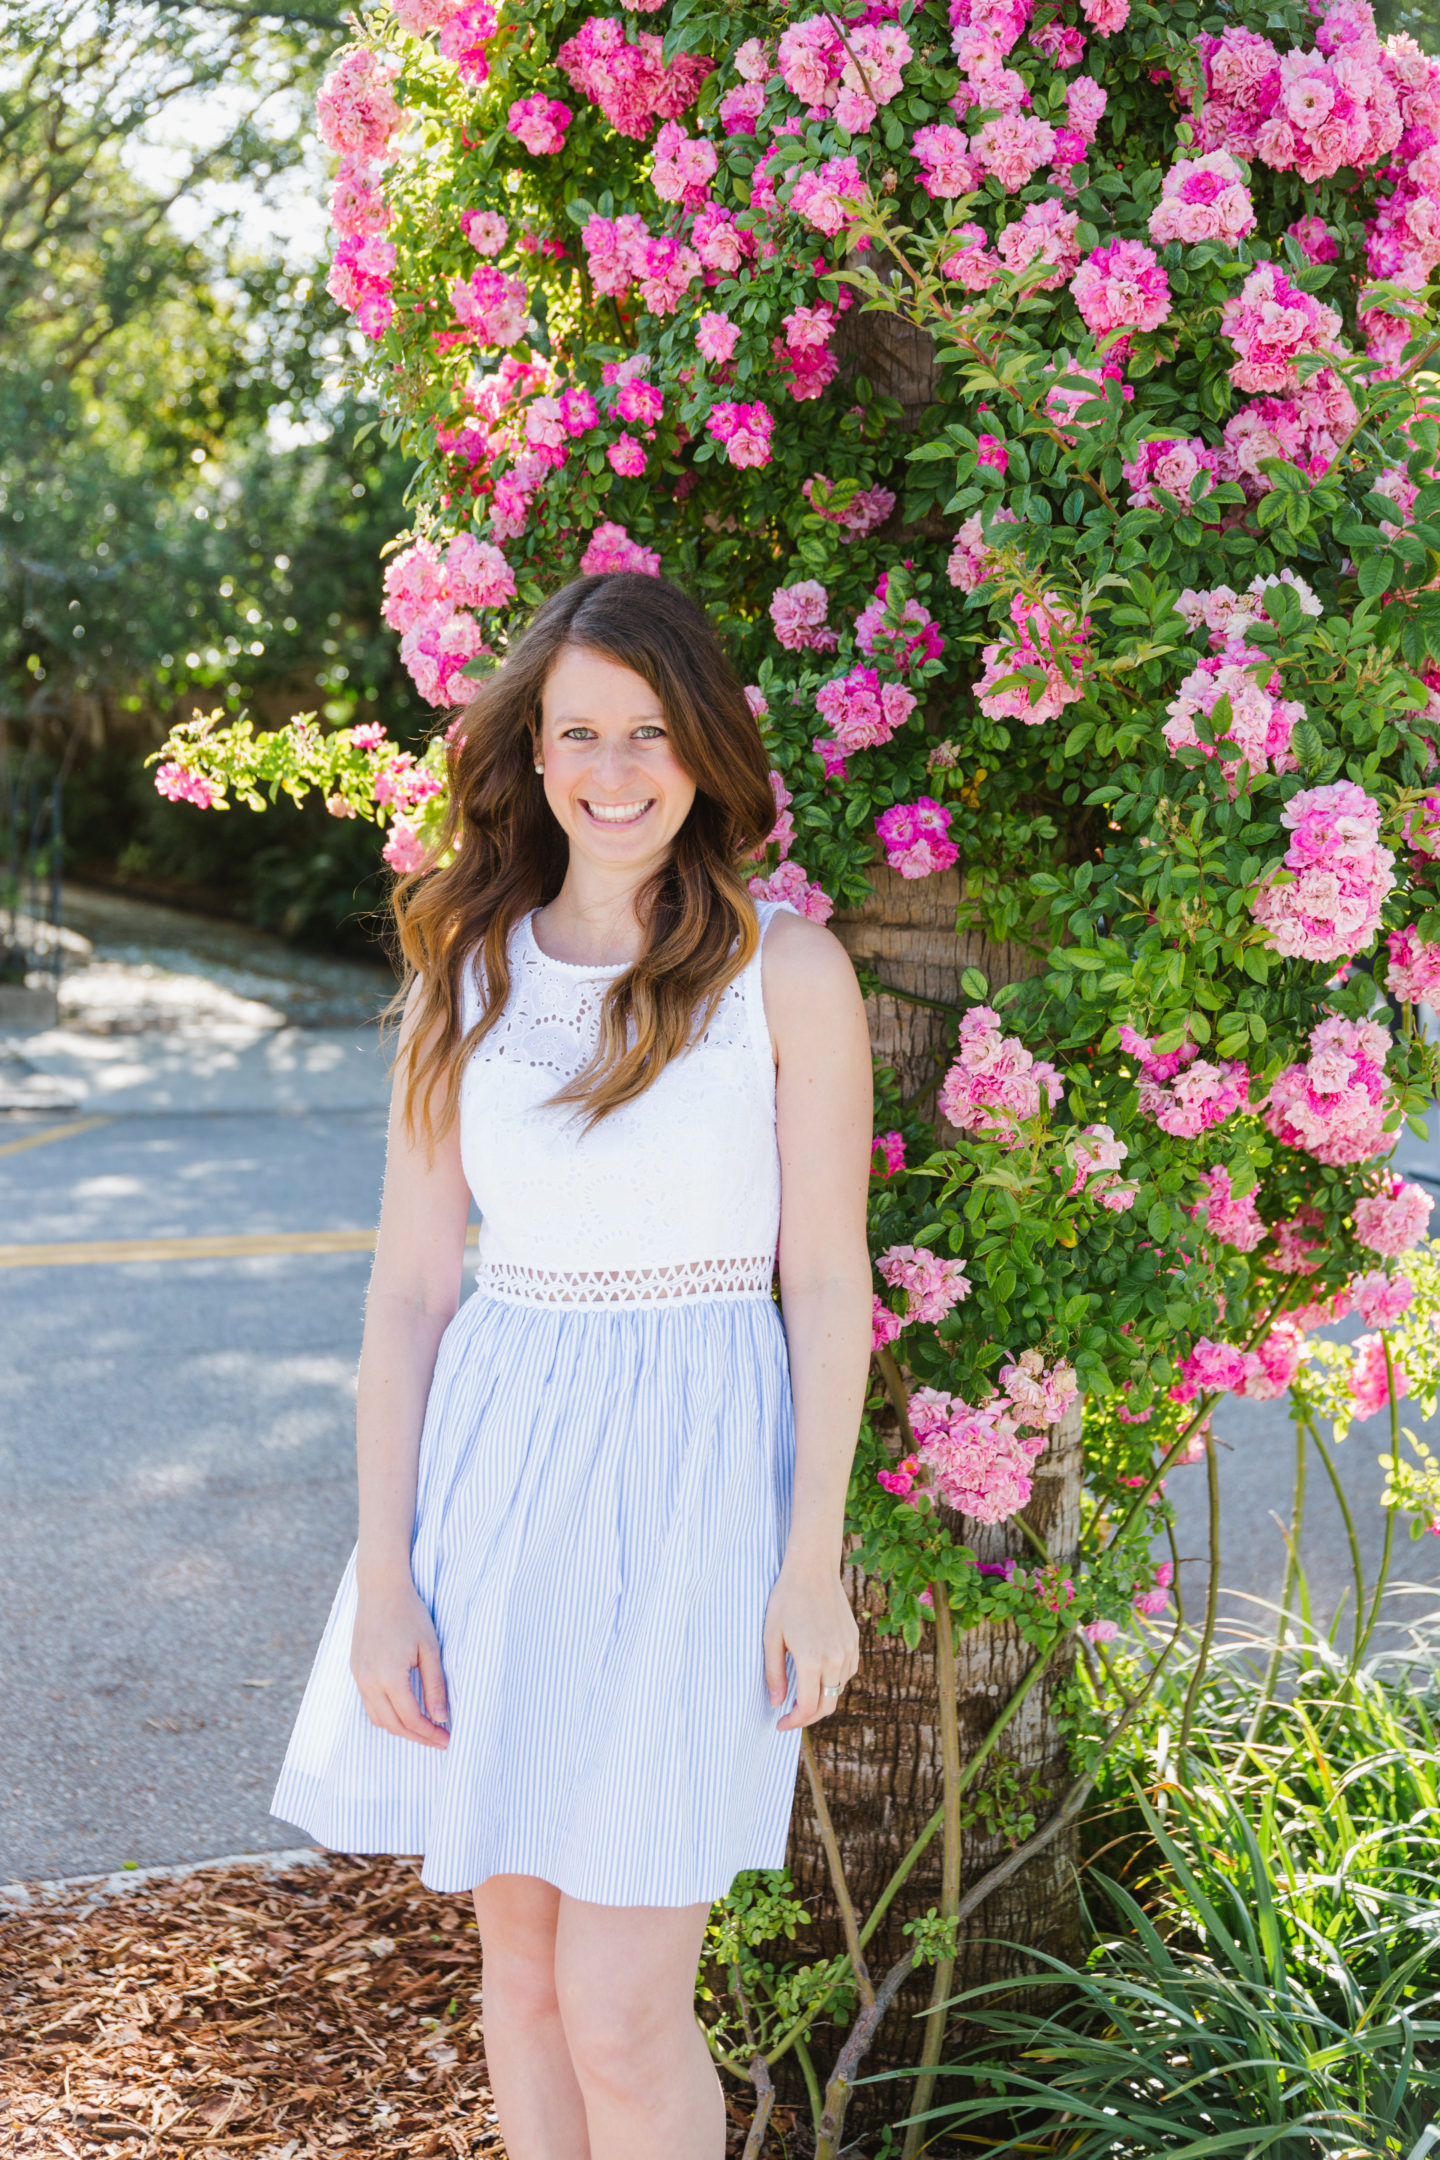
{"points": [[809, 1615]]}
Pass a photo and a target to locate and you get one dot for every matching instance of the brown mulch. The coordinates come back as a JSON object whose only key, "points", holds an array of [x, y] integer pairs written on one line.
{"points": [[331, 2010]]}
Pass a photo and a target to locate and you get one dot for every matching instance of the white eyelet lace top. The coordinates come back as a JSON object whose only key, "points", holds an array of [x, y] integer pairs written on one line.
{"points": [[674, 1195]]}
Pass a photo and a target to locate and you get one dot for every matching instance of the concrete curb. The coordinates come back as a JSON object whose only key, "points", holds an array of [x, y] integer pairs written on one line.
{"points": [[63, 1887]]}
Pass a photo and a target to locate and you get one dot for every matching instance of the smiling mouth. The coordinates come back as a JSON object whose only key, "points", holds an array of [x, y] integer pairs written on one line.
{"points": [[627, 813]]}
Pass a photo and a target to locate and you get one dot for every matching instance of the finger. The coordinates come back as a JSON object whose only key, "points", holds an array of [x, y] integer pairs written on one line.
{"points": [[807, 1698], [410, 1720], [775, 1666], [432, 1683]]}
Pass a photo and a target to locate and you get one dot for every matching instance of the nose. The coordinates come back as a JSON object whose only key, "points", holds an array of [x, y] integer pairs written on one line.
{"points": [[611, 764]]}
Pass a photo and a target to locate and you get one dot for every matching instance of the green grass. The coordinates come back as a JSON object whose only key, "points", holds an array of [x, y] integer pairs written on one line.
{"points": [[1264, 1976]]}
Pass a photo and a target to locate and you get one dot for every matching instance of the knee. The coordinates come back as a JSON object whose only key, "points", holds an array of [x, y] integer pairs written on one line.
{"points": [[517, 1959], [616, 2040]]}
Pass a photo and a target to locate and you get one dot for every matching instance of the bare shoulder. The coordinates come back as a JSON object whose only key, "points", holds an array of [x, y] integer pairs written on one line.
{"points": [[806, 975]]}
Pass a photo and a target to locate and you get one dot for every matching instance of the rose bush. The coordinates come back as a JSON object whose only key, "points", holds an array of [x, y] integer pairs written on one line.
{"points": [[1139, 624]]}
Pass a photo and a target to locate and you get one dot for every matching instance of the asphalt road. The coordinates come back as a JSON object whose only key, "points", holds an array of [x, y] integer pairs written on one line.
{"points": [[176, 1434], [176, 1456]]}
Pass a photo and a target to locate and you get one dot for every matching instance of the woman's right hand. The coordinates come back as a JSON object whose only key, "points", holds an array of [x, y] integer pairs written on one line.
{"points": [[393, 1634]]}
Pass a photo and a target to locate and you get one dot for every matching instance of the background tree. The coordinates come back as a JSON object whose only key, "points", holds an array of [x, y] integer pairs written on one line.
{"points": [[184, 510]]}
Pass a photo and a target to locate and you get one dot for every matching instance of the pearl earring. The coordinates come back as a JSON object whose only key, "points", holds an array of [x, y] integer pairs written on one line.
{"points": [[539, 767]]}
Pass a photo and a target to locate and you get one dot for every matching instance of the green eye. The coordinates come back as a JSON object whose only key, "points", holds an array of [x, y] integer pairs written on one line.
{"points": [[649, 729]]}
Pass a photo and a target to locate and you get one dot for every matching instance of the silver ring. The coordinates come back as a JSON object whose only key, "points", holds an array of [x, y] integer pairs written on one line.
{"points": [[834, 1690]]}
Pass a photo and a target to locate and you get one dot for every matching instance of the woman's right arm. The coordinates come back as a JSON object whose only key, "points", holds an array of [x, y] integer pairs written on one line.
{"points": [[414, 1295]]}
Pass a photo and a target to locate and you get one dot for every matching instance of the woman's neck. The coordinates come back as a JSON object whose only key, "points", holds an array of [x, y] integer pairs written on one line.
{"points": [[592, 919]]}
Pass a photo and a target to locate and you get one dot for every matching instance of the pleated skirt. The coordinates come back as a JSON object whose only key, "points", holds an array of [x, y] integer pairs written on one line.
{"points": [[602, 1507]]}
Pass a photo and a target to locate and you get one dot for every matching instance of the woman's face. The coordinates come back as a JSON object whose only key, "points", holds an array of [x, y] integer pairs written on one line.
{"points": [[611, 774]]}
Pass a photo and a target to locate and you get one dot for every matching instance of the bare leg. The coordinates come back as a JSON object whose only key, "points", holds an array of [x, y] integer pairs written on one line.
{"points": [[625, 1978], [537, 2098]]}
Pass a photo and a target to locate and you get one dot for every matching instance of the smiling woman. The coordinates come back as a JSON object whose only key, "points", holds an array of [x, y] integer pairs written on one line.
{"points": [[597, 1587], [617, 677]]}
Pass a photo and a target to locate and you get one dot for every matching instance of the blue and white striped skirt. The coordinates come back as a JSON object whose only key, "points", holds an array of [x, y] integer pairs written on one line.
{"points": [[602, 1507]]}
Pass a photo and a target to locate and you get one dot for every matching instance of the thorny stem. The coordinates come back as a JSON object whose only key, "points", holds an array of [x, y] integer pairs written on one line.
{"points": [[1212, 1594], [1383, 1576], [764, 2102], [945, 1681], [1357, 1567], [1292, 1564], [889, 1371], [812, 2082], [836, 1866]]}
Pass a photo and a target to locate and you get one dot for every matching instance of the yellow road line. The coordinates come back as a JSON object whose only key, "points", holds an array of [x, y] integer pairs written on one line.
{"points": [[263, 1245], [53, 1132]]}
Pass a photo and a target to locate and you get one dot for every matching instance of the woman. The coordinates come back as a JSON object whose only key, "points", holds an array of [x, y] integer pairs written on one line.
{"points": [[596, 1592]]}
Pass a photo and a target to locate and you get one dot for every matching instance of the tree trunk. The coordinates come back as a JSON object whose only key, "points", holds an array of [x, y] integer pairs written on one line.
{"points": [[879, 1754]]}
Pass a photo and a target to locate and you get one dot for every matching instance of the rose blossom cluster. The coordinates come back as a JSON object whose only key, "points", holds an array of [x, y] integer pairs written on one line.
{"points": [[1272, 1365], [995, 1084], [866, 509], [1184, 1093], [906, 641], [1326, 905], [798, 613], [1382, 1299], [789, 884], [860, 710], [490, 305], [1227, 615], [1271, 323], [1261, 722], [360, 281], [1037, 673], [851, 79], [1097, 1156], [981, 1461], [539, 123], [915, 837], [1368, 1380], [628, 78], [1334, 1105], [1234, 1221], [972, 557], [825, 196], [1121, 287], [463, 38], [610, 547], [1390, 1221], [356, 107], [1413, 975], [802, 356], [683, 167], [1203, 198], [1170, 462], [1307, 430], [427, 599], [1042, 240], [1073, 387], [177, 785], [932, 1288], [743, 431], [1303, 112]]}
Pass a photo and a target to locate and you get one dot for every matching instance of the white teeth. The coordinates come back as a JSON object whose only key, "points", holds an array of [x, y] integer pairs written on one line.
{"points": [[617, 813]]}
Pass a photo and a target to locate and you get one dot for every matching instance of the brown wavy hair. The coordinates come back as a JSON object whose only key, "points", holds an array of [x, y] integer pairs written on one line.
{"points": [[504, 853]]}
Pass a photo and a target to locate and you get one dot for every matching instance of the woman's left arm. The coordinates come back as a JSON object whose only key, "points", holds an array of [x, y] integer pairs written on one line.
{"points": [[824, 1112]]}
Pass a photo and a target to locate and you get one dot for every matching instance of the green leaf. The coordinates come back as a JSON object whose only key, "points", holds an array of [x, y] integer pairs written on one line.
{"points": [[974, 984]]}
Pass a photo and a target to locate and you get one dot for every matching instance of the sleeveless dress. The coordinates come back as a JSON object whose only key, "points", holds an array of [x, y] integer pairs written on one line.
{"points": [[604, 1486]]}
